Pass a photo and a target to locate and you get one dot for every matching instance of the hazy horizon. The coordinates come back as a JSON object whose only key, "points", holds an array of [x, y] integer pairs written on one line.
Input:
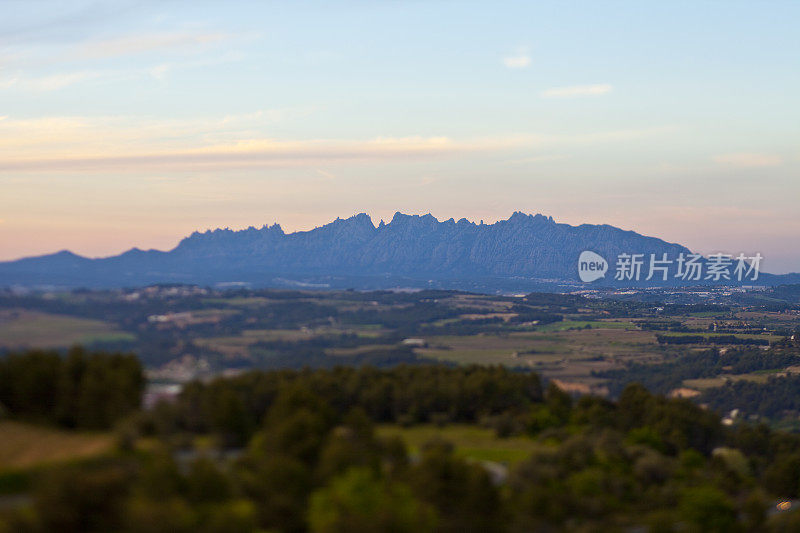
{"points": [[133, 124]]}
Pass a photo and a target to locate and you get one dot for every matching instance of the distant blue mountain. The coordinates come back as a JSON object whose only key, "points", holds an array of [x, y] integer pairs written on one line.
{"points": [[525, 252]]}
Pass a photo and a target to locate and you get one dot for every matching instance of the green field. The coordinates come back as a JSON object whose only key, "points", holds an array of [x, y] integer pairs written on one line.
{"points": [[472, 442], [44, 330]]}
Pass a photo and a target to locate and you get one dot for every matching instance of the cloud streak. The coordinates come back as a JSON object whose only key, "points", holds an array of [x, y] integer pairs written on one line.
{"points": [[577, 91], [131, 144], [748, 160], [54, 82], [251, 153], [139, 44]]}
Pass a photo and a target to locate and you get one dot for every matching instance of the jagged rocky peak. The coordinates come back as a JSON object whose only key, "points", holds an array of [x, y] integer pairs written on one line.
{"points": [[226, 235], [360, 220], [359, 226], [518, 217], [401, 220], [274, 229]]}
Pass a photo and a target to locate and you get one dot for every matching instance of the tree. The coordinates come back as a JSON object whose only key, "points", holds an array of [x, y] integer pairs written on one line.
{"points": [[88, 499], [360, 501], [708, 509], [462, 492], [279, 486]]}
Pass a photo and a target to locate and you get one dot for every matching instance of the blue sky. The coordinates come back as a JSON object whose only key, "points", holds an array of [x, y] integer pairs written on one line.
{"points": [[135, 123]]}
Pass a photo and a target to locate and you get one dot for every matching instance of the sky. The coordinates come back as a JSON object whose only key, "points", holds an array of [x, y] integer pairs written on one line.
{"points": [[129, 124]]}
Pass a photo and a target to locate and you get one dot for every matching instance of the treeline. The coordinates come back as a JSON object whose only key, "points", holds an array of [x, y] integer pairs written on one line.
{"points": [[530, 314], [710, 339], [234, 407], [79, 390], [297, 355]]}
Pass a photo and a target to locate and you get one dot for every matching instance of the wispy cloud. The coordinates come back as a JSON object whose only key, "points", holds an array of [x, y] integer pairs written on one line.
{"points": [[521, 59], [61, 80], [159, 72], [537, 159], [133, 144], [552, 140], [81, 136], [138, 44], [36, 68], [325, 174], [577, 90], [243, 154], [748, 160], [58, 81]]}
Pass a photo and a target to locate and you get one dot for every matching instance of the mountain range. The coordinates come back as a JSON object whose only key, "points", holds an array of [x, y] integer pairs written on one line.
{"points": [[524, 252]]}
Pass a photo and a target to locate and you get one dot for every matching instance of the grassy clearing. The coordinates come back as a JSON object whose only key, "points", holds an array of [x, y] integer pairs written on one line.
{"points": [[358, 350], [106, 337], [703, 383], [25, 446], [472, 442], [476, 302], [240, 301], [43, 330], [719, 381]]}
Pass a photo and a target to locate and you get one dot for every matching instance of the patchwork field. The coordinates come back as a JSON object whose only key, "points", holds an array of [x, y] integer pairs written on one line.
{"points": [[586, 343]]}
